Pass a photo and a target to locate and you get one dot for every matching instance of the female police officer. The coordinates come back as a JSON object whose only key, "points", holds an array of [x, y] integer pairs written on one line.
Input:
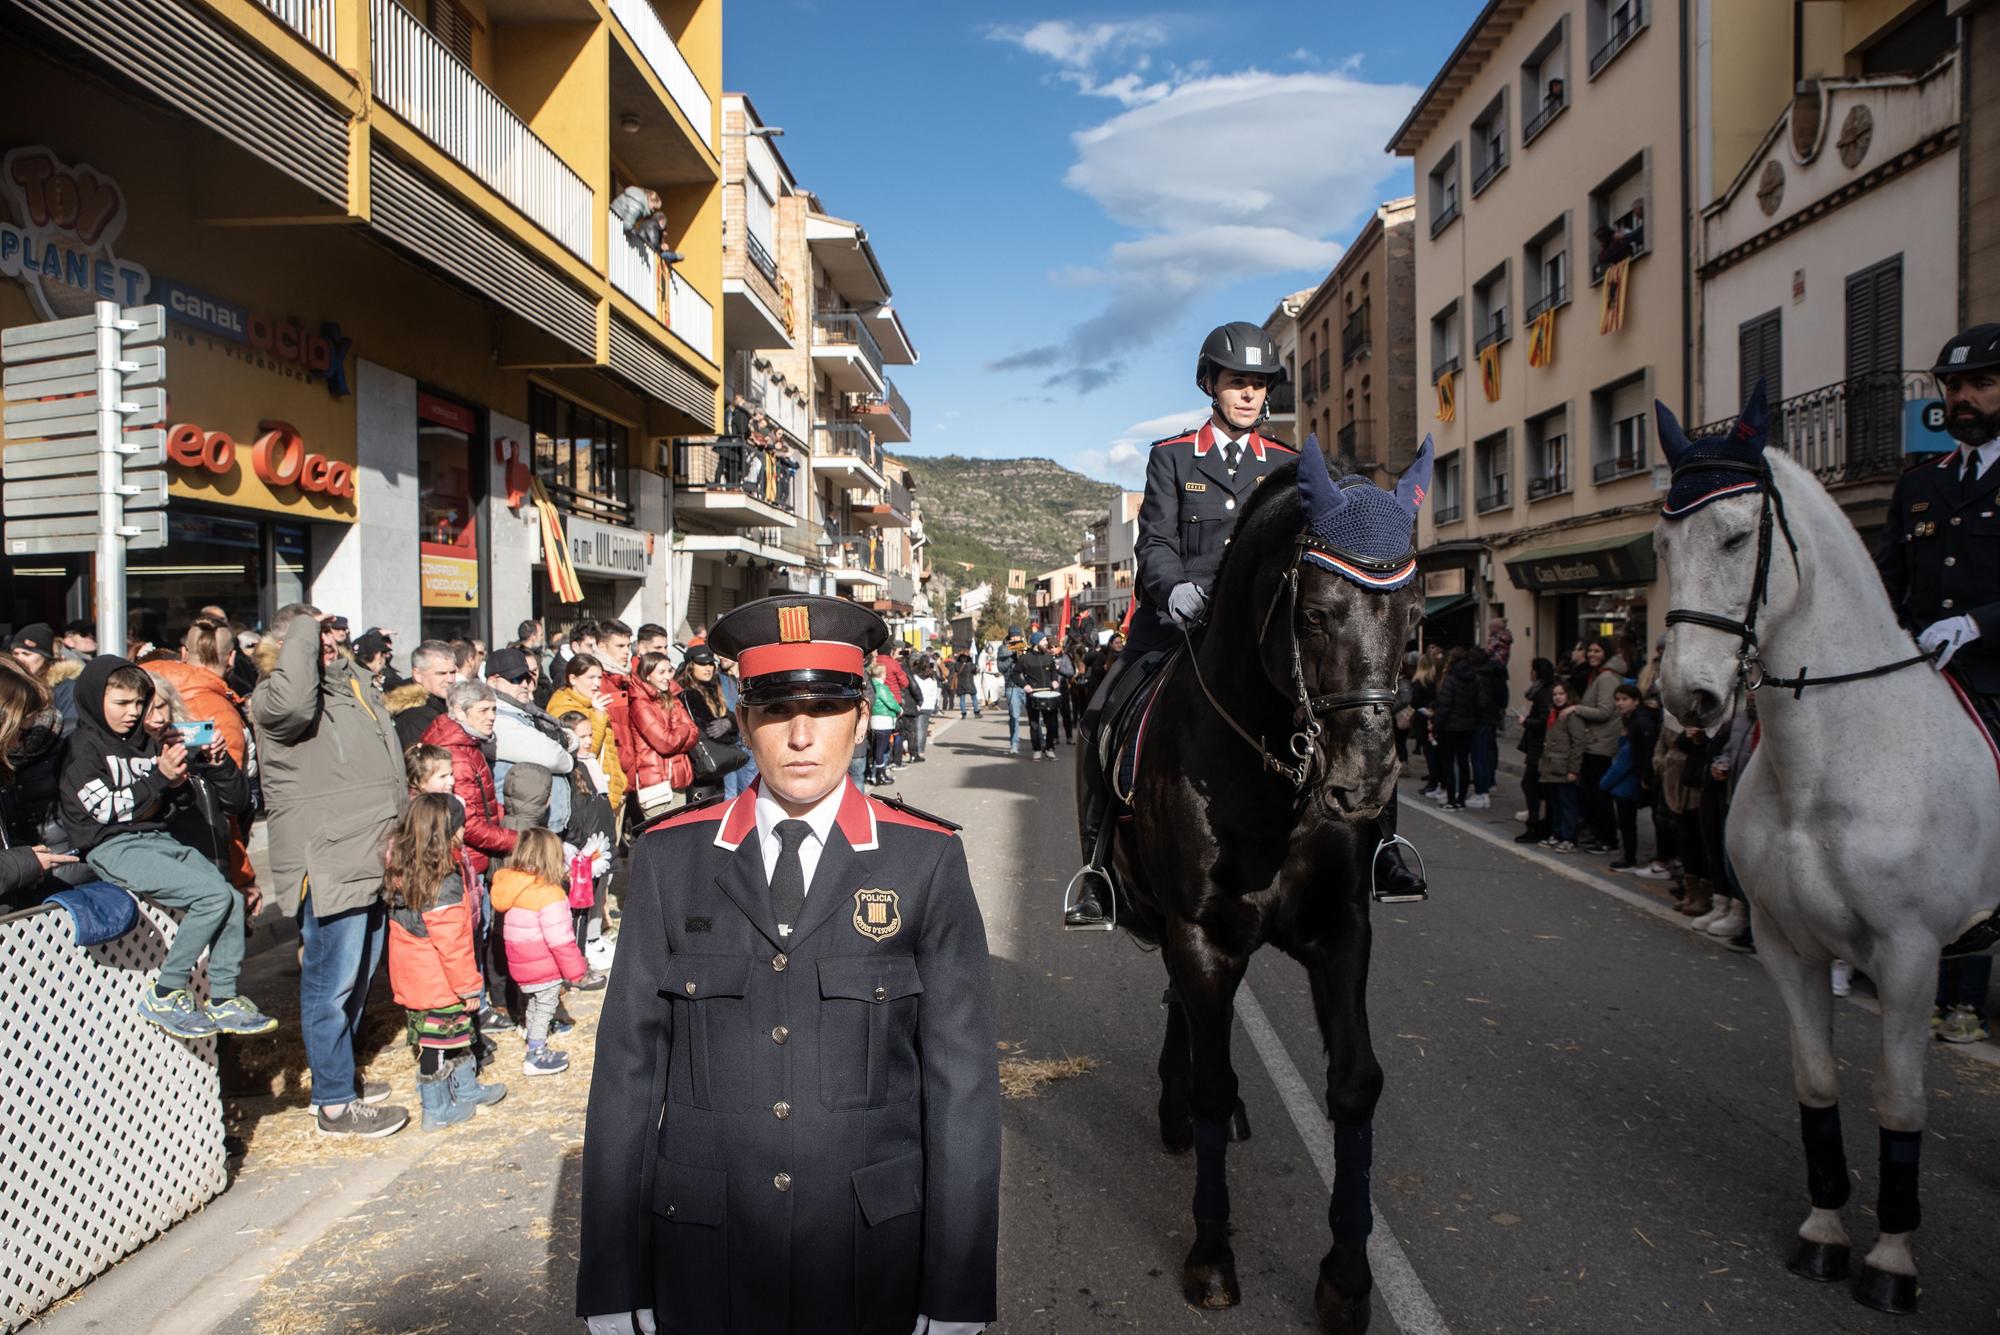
{"points": [[794, 1123]]}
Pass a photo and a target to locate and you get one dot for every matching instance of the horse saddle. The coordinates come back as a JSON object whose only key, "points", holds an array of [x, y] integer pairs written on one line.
{"points": [[1123, 731]]}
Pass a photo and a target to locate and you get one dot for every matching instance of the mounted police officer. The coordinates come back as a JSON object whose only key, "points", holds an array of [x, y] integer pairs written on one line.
{"points": [[794, 1122], [1939, 552], [1196, 483]]}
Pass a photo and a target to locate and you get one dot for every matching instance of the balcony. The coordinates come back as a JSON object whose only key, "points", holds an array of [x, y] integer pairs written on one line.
{"points": [[886, 415], [690, 315], [892, 511], [734, 481], [1488, 172], [638, 272], [856, 560], [1493, 495], [764, 392], [847, 352], [1496, 332], [433, 92], [314, 20], [1553, 483], [756, 300], [610, 509], [1448, 514], [642, 25], [1849, 431], [1448, 366], [1354, 336], [1619, 37], [1623, 464], [1552, 107], [845, 448], [1446, 216], [1548, 302]]}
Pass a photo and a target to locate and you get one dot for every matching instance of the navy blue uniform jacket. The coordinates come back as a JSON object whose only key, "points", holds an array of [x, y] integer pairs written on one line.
{"points": [[1939, 554], [795, 1136], [1185, 521]]}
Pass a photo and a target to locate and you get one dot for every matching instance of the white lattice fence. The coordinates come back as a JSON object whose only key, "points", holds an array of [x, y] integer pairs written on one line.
{"points": [[110, 1130]]}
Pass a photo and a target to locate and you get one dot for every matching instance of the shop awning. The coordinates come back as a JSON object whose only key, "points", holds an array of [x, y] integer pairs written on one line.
{"points": [[1603, 564], [1448, 602]]}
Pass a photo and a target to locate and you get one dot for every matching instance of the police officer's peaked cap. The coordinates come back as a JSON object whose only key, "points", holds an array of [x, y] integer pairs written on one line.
{"points": [[799, 646], [1238, 346], [1977, 349]]}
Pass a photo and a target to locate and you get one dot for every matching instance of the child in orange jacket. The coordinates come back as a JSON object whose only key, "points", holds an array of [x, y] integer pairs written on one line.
{"points": [[433, 967]]}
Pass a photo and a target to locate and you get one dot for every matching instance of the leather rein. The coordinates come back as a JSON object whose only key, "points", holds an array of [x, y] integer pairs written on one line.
{"points": [[1751, 673], [1308, 709]]}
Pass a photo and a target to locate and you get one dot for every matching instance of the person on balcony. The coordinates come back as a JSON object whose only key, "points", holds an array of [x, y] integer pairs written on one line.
{"points": [[638, 211]]}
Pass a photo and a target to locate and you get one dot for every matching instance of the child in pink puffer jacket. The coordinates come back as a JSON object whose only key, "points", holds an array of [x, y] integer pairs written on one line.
{"points": [[530, 896]]}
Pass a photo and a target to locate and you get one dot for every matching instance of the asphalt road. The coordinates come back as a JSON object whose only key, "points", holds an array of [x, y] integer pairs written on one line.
{"points": [[1588, 1127]]}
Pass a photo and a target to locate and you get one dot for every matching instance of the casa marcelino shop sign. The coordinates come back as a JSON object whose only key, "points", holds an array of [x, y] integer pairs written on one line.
{"points": [[1590, 565]]}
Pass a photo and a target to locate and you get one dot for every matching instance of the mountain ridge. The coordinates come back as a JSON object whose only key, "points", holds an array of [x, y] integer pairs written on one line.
{"points": [[997, 515]]}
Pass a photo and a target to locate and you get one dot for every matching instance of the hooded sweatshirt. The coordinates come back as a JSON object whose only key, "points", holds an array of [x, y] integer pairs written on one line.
{"points": [[111, 784]]}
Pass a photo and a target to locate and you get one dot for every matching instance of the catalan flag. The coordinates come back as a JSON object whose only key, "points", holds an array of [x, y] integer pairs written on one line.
{"points": [[555, 549], [1489, 372], [1542, 340], [1611, 300], [1447, 401]]}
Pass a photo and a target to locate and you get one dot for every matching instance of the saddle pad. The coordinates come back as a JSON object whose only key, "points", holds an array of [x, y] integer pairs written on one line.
{"points": [[1981, 935], [1132, 735]]}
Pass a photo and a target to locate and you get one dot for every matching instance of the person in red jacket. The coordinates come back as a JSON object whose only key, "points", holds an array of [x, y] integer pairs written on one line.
{"points": [[464, 730], [662, 733], [433, 963], [614, 650]]}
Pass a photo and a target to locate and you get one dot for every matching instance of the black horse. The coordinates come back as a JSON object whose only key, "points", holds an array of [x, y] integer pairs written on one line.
{"points": [[1252, 820]]}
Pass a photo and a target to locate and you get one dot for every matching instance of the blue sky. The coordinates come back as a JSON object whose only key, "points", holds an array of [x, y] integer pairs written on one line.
{"points": [[1066, 201]]}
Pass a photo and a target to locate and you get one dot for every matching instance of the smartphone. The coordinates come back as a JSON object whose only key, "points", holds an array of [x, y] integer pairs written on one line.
{"points": [[196, 733]]}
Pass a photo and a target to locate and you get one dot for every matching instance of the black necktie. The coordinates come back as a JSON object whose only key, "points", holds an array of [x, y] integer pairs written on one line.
{"points": [[1970, 474], [788, 882], [1231, 453]]}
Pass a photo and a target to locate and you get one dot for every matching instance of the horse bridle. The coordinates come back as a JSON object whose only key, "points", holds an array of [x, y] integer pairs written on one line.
{"points": [[1751, 674], [1308, 709]]}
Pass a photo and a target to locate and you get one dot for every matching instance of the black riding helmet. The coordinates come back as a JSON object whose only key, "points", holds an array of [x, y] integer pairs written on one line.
{"points": [[1977, 349], [1237, 346]]}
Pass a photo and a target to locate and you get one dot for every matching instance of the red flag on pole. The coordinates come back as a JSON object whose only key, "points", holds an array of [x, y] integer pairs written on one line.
{"points": [[1062, 627], [1125, 621]]}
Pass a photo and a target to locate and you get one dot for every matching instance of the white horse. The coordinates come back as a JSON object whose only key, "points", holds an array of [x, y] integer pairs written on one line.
{"points": [[1867, 820]]}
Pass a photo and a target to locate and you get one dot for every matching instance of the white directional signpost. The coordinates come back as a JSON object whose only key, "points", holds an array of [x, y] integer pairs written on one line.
{"points": [[85, 466]]}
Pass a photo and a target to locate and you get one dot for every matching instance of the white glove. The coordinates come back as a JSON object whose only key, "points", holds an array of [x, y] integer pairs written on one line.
{"points": [[1186, 605], [1949, 635], [623, 1323]]}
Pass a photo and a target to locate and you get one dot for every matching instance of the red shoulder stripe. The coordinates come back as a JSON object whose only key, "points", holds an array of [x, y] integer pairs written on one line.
{"points": [[1182, 439], [1279, 445]]}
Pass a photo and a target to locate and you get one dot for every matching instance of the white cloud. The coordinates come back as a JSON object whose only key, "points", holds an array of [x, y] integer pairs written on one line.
{"points": [[1077, 48], [1226, 177], [1123, 460]]}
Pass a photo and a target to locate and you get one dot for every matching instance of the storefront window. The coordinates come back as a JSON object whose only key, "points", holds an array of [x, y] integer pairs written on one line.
{"points": [[1616, 616], [581, 457], [247, 567], [447, 519]]}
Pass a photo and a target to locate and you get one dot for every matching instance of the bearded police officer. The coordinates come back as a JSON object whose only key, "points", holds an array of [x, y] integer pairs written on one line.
{"points": [[794, 1123], [1939, 552], [1196, 484]]}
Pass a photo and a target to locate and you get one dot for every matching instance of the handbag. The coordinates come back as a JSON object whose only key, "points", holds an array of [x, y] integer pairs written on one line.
{"points": [[1404, 718], [655, 798], [713, 759]]}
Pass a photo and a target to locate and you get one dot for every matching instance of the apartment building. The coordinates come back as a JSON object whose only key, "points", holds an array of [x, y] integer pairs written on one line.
{"points": [[1979, 205], [1548, 159], [1281, 326], [1828, 174], [1357, 376], [387, 244]]}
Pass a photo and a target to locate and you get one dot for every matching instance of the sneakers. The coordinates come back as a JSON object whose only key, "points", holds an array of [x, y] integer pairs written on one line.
{"points": [[1431, 790], [1050, 754], [1732, 921], [362, 1121], [1654, 871], [1717, 907], [1962, 1025], [493, 1020], [177, 1012], [1564, 846], [1478, 801], [544, 1061], [1550, 842], [239, 1015], [1522, 815], [593, 981], [1622, 865], [1843, 978], [371, 1091], [1439, 796]]}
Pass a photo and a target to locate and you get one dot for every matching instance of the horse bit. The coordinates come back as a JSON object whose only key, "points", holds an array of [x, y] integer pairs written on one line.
{"points": [[1309, 707], [1751, 673]]}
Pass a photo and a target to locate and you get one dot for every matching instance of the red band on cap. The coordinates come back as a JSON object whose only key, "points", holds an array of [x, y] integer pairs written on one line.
{"points": [[823, 655]]}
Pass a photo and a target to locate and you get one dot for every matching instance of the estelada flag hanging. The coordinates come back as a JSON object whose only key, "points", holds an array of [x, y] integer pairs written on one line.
{"points": [[1489, 372], [1611, 301], [1447, 405], [555, 548], [1542, 340]]}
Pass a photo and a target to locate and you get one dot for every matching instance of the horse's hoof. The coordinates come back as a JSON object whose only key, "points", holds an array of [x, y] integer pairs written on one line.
{"points": [[1177, 1134], [1208, 1276], [1886, 1292], [1340, 1313], [1821, 1262], [1239, 1123]]}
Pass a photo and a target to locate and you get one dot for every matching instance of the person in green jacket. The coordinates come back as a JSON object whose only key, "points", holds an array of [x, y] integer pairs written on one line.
{"points": [[884, 708]]}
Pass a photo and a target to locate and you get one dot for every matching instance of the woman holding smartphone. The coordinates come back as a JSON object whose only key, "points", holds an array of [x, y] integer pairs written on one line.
{"points": [[211, 807]]}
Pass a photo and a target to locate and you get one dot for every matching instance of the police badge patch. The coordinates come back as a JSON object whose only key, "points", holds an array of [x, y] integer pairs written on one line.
{"points": [[878, 914]]}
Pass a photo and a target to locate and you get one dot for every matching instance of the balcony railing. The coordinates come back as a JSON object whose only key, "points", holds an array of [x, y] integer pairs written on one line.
{"points": [[855, 551], [1553, 483], [1496, 332], [590, 505], [1620, 35], [761, 394], [690, 315], [735, 464], [1489, 171], [643, 26], [1552, 107], [759, 256], [635, 268], [847, 438], [420, 80], [313, 20], [1446, 367], [1354, 336], [1449, 514], [1493, 495], [1547, 302], [845, 329], [1637, 236], [890, 403], [1623, 464], [1446, 216], [1849, 431]]}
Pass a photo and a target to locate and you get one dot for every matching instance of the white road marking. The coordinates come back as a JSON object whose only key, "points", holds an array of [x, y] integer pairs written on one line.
{"points": [[1987, 1053], [1395, 1279]]}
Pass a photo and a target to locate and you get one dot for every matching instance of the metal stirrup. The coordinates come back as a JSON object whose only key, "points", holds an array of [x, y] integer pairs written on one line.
{"points": [[1070, 900], [1375, 879]]}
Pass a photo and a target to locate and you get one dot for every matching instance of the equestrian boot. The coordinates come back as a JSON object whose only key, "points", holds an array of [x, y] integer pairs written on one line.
{"points": [[1395, 881], [1086, 911]]}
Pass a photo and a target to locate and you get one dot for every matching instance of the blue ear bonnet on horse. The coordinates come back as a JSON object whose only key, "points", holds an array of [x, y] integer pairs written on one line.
{"points": [[1356, 529], [1708, 469]]}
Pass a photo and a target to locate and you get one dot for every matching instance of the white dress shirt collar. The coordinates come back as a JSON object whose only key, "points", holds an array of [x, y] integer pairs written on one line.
{"points": [[1988, 454], [820, 819]]}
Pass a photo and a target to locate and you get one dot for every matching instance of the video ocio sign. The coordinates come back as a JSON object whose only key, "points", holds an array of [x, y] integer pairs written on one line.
{"points": [[278, 456]]}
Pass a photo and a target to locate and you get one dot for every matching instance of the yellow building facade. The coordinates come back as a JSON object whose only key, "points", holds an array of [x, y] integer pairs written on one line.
{"points": [[384, 238]]}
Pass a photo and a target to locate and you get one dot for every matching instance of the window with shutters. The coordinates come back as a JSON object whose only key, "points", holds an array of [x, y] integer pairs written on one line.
{"points": [[1759, 355], [454, 27], [1874, 361]]}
